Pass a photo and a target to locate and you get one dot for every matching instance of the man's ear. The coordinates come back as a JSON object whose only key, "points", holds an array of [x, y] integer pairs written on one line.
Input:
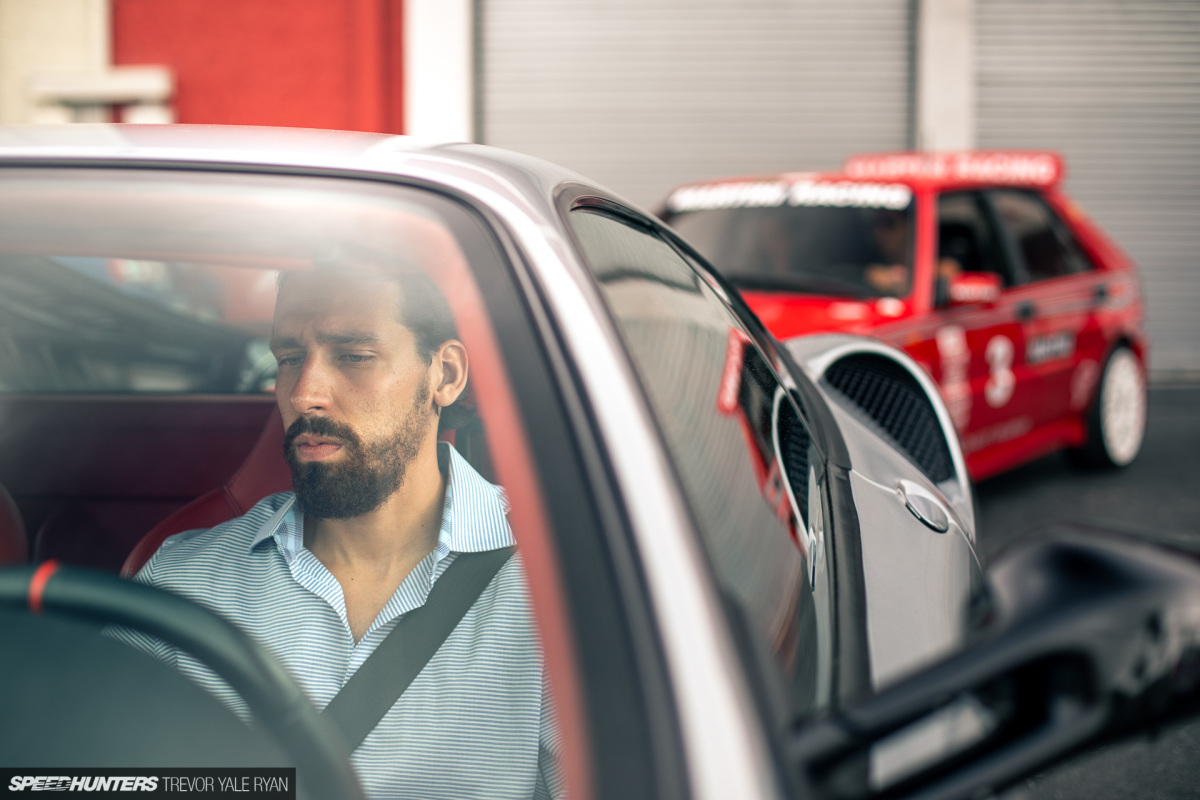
{"points": [[450, 372]]}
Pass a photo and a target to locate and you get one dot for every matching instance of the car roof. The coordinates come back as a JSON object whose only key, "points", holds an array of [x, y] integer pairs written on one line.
{"points": [[506, 175]]}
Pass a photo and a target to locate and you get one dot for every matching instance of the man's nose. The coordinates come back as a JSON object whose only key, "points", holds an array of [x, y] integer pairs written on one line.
{"points": [[311, 391]]}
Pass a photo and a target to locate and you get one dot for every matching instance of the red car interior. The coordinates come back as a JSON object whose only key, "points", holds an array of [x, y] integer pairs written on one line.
{"points": [[264, 472], [90, 475], [102, 481]]}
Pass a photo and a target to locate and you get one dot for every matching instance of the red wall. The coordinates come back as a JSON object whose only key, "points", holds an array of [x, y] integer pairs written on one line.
{"points": [[303, 63]]}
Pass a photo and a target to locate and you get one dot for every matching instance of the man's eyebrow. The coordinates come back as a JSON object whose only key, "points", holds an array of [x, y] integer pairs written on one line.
{"points": [[285, 343], [328, 337], [347, 337]]}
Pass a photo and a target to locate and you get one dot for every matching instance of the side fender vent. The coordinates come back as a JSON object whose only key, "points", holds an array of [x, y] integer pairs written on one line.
{"points": [[893, 399]]}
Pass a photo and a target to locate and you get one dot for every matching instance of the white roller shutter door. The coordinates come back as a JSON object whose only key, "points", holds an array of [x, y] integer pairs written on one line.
{"points": [[642, 95], [1114, 85]]}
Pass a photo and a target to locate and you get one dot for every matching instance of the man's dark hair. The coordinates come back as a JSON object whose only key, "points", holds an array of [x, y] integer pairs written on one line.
{"points": [[424, 311]]}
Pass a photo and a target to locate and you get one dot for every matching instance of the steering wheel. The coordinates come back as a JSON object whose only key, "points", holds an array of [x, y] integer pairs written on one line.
{"points": [[279, 705]]}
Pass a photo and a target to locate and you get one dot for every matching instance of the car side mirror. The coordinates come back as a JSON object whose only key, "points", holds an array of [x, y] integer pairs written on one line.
{"points": [[1082, 638], [968, 288]]}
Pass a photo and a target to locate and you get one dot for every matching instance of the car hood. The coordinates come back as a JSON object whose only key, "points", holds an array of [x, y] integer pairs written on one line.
{"points": [[791, 314]]}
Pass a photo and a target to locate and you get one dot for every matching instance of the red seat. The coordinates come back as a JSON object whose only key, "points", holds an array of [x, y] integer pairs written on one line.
{"points": [[14, 542], [96, 533], [264, 472]]}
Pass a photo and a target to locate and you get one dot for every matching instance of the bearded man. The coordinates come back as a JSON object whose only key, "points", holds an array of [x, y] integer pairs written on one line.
{"points": [[368, 364]]}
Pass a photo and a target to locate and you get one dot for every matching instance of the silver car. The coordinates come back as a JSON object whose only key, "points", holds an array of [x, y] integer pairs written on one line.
{"points": [[751, 563]]}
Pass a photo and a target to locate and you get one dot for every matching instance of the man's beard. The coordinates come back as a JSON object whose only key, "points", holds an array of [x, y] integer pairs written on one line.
{"points": [[367, 475]]}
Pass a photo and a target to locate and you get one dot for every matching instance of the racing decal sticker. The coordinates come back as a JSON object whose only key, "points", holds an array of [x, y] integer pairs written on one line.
{"points": [[1040, 168], [1001, 381], [743, 194], [771, 194], [1044, 348], [956, 358], [850, 194]]}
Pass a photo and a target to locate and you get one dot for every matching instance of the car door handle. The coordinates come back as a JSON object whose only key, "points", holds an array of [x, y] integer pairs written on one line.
{"points": [[922, 504], [1025, 310]]}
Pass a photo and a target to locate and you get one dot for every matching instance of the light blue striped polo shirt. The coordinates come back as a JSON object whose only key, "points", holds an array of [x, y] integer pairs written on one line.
{"points": [[476, 722]]}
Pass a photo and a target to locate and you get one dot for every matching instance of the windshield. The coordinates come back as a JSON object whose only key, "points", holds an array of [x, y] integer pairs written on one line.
{"points": [[860, 250]]}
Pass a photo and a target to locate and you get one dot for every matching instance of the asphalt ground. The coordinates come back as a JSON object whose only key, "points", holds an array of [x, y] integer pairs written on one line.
{"points": [[1157, 497]]}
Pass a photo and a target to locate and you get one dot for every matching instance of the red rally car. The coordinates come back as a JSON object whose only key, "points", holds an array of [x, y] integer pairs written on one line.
{"points": [[976, 263]]}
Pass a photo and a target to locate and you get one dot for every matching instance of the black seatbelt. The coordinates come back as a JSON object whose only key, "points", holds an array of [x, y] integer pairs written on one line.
{"points": [[378, 683]]}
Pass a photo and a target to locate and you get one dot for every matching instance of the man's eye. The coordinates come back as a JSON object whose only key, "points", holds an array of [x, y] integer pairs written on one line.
{"points": [[289, 361], [354, 358]]}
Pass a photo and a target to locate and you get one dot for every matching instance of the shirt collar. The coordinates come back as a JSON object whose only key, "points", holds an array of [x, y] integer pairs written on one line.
{"points": [[474, 518]]}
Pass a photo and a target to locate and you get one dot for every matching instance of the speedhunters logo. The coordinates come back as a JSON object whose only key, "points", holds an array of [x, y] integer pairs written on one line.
{"points": [[195, 784], [80, 783]]}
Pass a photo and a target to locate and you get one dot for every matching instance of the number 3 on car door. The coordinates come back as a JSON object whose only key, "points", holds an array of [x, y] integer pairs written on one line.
{"points": [[1000, 381]]}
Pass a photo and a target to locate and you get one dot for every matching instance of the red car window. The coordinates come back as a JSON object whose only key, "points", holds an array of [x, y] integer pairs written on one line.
{"points": [[1042, 243]]}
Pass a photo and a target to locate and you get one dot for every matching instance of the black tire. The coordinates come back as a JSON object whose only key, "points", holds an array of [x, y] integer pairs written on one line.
{"points": [[1116, 419]]}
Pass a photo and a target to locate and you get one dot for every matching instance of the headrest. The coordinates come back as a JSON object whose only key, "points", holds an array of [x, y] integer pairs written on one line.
{"points": [[264, 472]]}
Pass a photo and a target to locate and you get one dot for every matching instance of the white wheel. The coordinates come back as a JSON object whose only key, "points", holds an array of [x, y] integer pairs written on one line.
{"points": [[1123, 407], [1117, 419]]}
